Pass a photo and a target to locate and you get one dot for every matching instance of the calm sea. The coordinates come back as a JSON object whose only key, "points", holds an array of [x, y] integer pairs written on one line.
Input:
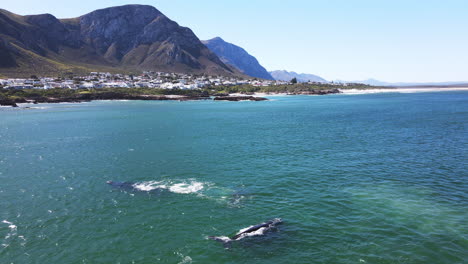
{"points": [[380, 178]]}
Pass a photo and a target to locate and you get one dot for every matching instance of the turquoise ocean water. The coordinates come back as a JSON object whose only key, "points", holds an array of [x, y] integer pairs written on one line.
{"points": [[378, 178]]}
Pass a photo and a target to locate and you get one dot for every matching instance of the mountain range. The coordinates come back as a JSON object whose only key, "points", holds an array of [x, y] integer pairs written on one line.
{"points": [[129, 38], [301, 77], [237, 57], [123, 38]]}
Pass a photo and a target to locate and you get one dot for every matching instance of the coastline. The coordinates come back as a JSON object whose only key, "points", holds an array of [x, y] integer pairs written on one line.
{"points": [[363, 91], [14, 97], [122, 97], [256, 96], [402, 90]]}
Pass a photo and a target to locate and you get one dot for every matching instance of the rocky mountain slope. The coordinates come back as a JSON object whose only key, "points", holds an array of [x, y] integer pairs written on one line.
{"points": [[129, 38], [301, 77], [237, 57]]}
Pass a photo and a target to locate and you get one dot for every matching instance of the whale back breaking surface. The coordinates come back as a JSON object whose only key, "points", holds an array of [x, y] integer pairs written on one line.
{"points": [[256, 230], [259, 229]]}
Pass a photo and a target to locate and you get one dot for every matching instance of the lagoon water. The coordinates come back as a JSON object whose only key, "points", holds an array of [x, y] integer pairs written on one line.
{"points": [[377, 178]]}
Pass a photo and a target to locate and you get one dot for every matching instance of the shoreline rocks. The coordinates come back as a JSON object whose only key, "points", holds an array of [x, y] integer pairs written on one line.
{"points": [[120, 96], [92, 97], [7, 102]]}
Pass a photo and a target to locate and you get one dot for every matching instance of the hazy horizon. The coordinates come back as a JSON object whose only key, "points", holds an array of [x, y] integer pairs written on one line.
{"points": [[390, 41]]}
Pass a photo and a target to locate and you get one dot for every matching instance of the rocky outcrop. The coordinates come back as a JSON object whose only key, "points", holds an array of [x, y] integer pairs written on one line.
{"points": [[120, 96], [237, 57], [8, 102]]}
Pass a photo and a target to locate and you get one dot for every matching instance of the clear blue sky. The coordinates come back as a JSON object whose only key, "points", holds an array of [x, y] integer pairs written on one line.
{"points": [[390, 40]]}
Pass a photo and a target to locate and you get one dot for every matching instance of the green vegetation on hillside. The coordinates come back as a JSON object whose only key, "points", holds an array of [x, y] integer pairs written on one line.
{"points": [[44, 45], [285, 88], [67, 93]]}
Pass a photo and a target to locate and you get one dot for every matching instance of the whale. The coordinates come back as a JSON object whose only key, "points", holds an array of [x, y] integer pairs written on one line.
{"points": [[255, 230], [122, 185]]}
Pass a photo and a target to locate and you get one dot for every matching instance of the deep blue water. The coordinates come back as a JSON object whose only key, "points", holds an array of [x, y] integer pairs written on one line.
{"points": [[378, 178]]}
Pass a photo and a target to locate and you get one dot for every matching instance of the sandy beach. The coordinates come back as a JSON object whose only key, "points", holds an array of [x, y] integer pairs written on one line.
{"points": [[372, 91], [259, 94], [403, 90]]}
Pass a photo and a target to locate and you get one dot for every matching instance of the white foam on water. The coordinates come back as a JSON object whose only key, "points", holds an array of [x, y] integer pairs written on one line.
{"points": [[32, 106], [186, 188], [10, 225], [23, 243], [149, 186], [13, 229], [110, 101], [179, 187], [41, 107], [186, 259], [236, 201], [224, 239], [205, 190]]}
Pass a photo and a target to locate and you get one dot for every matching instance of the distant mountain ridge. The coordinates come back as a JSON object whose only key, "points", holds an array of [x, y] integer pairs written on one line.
{"points": [[301, 77], [237, 57], [130, 37]]}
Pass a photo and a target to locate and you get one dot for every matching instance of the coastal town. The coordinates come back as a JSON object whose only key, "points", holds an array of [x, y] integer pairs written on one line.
{"points": [[159, 80], [153, 86]]}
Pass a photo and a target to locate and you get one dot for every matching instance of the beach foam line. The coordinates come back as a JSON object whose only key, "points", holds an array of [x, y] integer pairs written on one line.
{"points": [[259, 94], [402, 90]]}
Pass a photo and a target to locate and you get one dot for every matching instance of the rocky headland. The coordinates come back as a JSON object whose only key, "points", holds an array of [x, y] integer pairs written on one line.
{"points": [[120, 96]]}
